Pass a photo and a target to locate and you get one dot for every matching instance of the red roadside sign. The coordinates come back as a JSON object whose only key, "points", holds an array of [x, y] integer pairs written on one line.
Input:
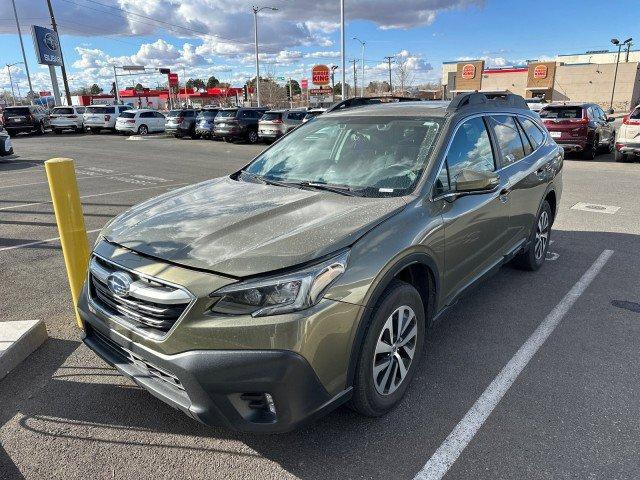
{"points": [[304, 84], [173, 79], [540, 71], [320, 75]]}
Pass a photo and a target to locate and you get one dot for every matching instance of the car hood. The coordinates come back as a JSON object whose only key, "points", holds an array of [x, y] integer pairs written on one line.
{"points": [[241, 229]]}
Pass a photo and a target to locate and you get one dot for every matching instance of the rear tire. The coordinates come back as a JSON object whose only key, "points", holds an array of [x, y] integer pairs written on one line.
{"points": [[143, 130], [391, 352], [533, 258], [589, 153], [252, 136]]}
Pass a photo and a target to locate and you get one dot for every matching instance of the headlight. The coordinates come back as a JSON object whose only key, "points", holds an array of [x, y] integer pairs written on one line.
{"points": [[279, 294]]}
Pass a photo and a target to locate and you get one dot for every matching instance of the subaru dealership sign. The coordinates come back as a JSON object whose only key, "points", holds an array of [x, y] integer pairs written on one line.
{"points": [[47, 46]]}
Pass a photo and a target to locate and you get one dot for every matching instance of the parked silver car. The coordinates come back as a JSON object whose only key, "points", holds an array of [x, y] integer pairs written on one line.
{"points": [[276, 123]]}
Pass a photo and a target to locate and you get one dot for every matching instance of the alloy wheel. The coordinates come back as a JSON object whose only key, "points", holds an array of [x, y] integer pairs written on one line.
{"points": [[143, 130], [395, 350], [542, 235]]}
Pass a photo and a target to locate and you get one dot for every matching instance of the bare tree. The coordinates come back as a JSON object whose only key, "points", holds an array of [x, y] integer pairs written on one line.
{"points": [[404, 73]]}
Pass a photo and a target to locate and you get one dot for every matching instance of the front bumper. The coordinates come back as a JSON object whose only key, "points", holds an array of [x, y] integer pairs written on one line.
{"points": [[628, 148], [221, 387]]}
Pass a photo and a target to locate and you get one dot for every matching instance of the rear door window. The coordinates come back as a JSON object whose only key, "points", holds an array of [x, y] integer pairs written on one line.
{"points": [[127, 115], [533, 132], [508, 138], [147, 115]]}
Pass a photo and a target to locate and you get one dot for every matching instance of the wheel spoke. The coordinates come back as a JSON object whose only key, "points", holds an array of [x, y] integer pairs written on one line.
{"points": [[382, 347], [383, 383], [401, 367], [409, 335], [378, 368]]}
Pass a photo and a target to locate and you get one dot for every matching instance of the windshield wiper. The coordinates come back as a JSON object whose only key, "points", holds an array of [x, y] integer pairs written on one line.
{"points": [[342, 189]]}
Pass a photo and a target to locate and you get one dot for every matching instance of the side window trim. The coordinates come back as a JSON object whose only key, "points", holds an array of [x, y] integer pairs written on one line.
{"points": [[445, 164]]}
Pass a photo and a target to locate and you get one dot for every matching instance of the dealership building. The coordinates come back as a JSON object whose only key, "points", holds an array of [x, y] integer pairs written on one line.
{"points": [[587, 77]]}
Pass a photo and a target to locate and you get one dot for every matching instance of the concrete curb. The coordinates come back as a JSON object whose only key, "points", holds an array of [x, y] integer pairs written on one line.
{"points": [[18, 340]]}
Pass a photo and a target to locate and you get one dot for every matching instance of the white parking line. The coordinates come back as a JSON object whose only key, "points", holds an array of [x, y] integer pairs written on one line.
{"points": [[449, 451], [96, 195], [48, 240], [78, 178]]}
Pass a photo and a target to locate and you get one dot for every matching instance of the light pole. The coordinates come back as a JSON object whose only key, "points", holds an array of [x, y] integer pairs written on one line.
{"points": [[617, 42], [24, 57], [9, 65], [255, 26], [362, 79], [343, 53]]}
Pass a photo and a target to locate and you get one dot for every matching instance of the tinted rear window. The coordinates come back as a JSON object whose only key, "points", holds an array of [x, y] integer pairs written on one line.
{"points": [[174, 113], [207, 114], [63, 111], [127, 115], [17, 111], [561, 112], [227, 113], [272, 116], [101, 110]]}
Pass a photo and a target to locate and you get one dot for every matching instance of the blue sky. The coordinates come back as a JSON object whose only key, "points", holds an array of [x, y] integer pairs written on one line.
{"points": [[208, 37]]}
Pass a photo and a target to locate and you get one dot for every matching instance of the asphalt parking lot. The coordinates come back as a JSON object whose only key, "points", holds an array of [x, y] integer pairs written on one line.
{"points": [[571, 413]]}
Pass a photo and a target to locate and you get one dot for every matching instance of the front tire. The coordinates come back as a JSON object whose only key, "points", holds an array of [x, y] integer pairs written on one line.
{"points": [[391, 352], [620, 157], [533, 258]]}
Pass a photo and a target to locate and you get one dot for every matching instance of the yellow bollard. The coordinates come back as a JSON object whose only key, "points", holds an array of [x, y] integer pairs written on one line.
{"points": [[63, 185]]}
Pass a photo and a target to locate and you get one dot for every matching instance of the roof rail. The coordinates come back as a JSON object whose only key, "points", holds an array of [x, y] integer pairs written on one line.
{"points": [[493, 98]]}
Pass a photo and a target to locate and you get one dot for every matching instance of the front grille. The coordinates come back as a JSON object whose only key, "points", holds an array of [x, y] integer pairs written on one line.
{"points": [[130, 357], [148, 302]]}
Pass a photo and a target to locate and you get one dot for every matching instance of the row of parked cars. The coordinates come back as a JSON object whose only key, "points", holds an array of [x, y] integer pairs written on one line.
{"points": [[244, 123], [583, 128]]}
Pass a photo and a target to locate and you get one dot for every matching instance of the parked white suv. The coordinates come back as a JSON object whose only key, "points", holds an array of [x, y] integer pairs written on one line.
{"points": [[628, 140], [99, 117], [140, 121], [67, 118]]}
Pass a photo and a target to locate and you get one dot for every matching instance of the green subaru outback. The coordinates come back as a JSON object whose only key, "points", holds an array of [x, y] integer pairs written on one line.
{"points": [[312, 276]]}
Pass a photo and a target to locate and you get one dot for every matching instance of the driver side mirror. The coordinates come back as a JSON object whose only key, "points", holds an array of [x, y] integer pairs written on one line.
{"points": [[470, 181]]}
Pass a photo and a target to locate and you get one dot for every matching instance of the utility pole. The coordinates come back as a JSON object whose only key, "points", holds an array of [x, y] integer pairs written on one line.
{"points": [[54, 26], [362, 79], [24, 57], [343, 52], [619, 44], [13, 94], [355, 74], [628, 51], [388, 59]]}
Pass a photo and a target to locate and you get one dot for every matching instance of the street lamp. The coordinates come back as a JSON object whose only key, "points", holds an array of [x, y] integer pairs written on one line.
{"points": [[255, 24], [362, 80], [617, 42], [9, 65]]}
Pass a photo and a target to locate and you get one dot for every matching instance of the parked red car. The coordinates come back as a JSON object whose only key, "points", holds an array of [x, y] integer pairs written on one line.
{"points": [[580, 127]]}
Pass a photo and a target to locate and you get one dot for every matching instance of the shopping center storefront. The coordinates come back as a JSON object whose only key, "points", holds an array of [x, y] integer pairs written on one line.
{"points": [[551, 81]]}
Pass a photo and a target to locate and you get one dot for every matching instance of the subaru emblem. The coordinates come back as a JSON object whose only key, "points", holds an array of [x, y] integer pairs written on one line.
{"points": [[119, 283]]}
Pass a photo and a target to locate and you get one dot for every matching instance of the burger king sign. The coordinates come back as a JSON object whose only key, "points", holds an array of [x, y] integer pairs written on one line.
{"points": [[540, 71], [469, 71]]}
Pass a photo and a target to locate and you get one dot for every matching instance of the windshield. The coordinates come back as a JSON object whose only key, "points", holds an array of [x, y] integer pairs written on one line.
{"points": [[382, 155], [207, 114], [561, 112], [226, 113]]}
